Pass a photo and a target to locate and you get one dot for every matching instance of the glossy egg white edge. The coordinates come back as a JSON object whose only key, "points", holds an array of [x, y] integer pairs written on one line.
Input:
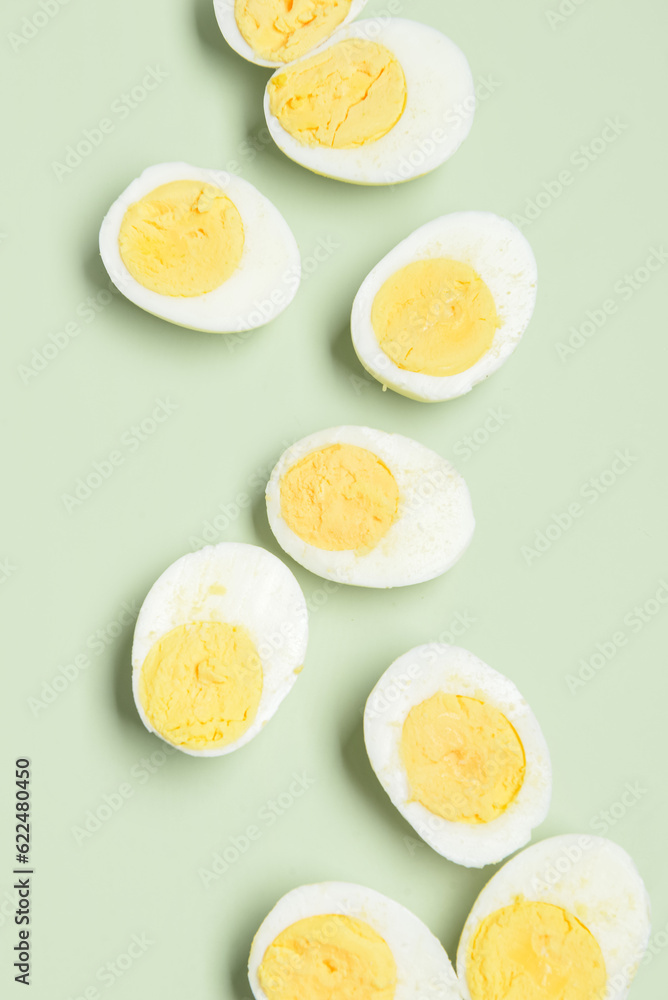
{"points": [[433, 528], [263, 285], [410, 680], [503, 258], [424, 137], [227, 22], [423, 966], [591, 877], [260, 593]]}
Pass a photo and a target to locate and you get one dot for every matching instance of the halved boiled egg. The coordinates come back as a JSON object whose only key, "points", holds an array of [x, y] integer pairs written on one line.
{"points": [[567, 919], [382, 101], [459, 752], [336, 940], [219, 642], [274, 32], [359, 506], [200, 248], [446, 307]]}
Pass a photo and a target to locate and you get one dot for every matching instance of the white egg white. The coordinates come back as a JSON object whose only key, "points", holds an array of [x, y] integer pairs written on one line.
{"points": [[590, 877], [434, 523], [500, 254], [437, 118], [227, 22], [237, 584], [410, 680], [264, 283], [423, 967]]}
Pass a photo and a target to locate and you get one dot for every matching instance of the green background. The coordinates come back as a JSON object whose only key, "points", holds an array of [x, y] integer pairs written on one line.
{"points": [[555, 84]]}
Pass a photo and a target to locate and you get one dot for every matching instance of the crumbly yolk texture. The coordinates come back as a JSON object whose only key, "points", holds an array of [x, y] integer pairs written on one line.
{"points": [[339, 498], [183, 239], [283, 30], [351, 94], [328, 957], [463, 759], [435, 316], [201, 684], [535, 951]]}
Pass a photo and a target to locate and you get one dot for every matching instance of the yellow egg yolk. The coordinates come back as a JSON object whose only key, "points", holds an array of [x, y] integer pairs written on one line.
{"points": [[351, 94], [328, 957], [183, 239], [463, 759], [535, 951], [435, 316], [201, 684], [339, 498], [283, 30]]}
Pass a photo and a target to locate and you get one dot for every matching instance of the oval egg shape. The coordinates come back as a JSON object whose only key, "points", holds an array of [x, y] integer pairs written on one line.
{"points": [[363, 507], [200, 248], [568, 916], [381, 102], [459, 752], [447, 307], [219, 642], [354, 941], [274, 32]]}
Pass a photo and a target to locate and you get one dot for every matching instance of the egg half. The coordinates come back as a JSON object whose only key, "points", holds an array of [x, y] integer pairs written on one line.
{"points": [[359, 506], [459, 752], [274, 32], [446, 307], [341, 940], [200, 248], [567, 919], [218, 644], [382, 101]]}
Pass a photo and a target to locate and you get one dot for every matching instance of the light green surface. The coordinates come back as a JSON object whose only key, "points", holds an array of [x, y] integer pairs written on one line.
{"points": [[564, 421]]}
